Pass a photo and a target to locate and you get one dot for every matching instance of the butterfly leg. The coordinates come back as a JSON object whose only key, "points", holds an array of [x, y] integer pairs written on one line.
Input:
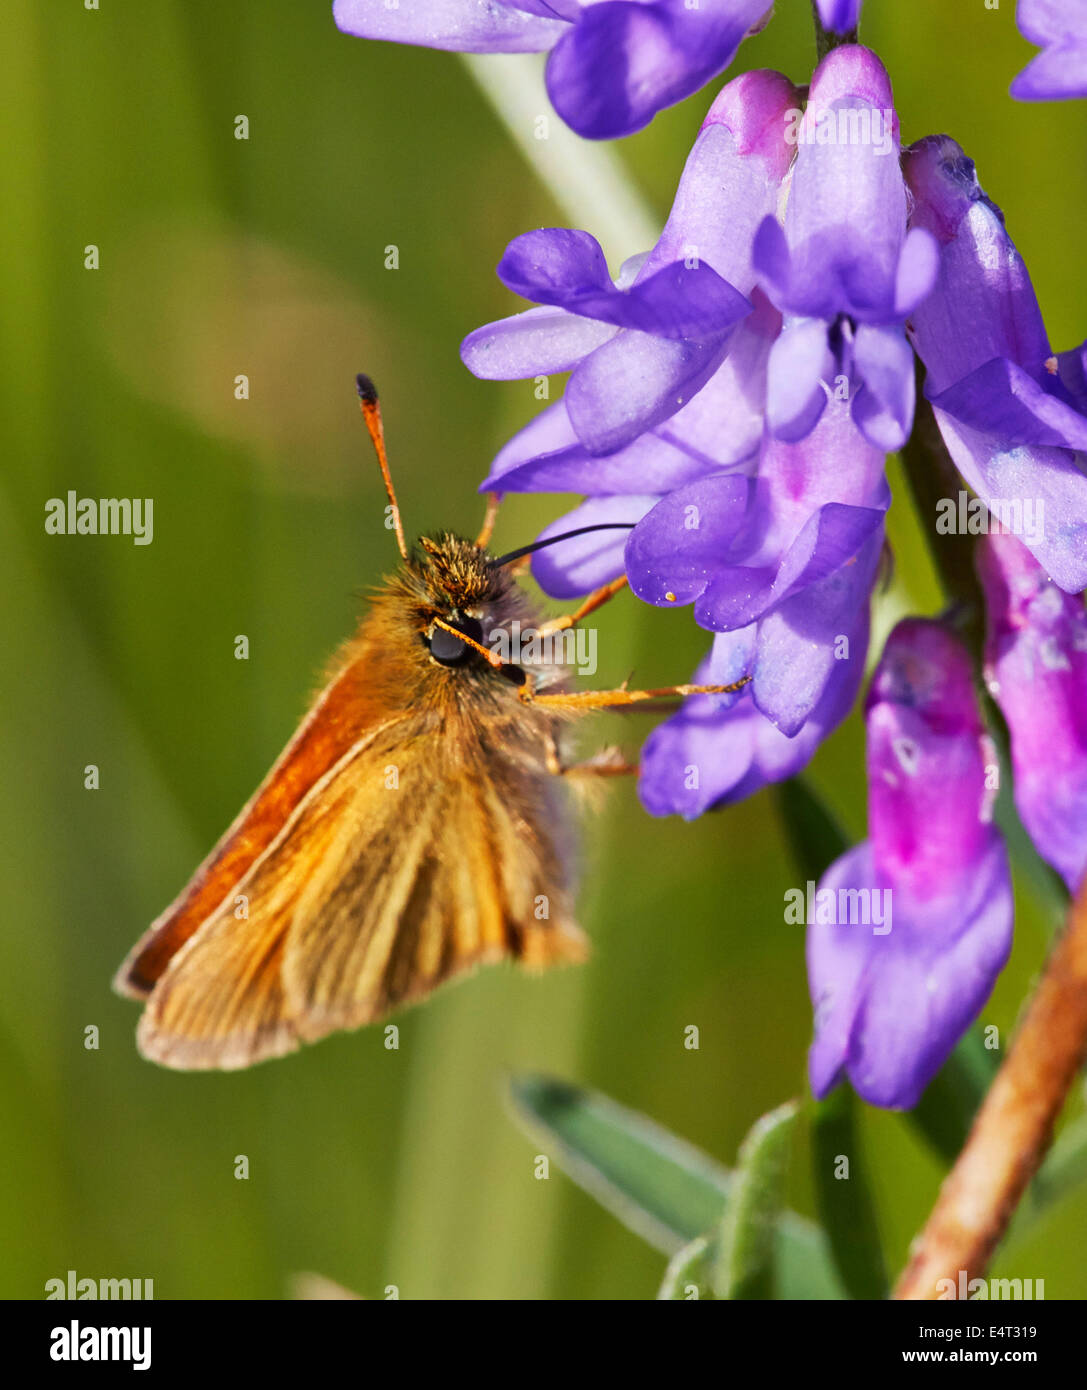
{"points": [[595, 600], [608, 699], [608, 762], [489, 517]]}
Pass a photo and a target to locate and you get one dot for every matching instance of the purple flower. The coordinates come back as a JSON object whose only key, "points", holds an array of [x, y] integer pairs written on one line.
{"points": [[788, 555], [839, 16], [1036, 669], [669, 323], [892, 998], [614, 63], [1013, 415], [642, 350], [843, 269], [1059, 27], [716, 750]]}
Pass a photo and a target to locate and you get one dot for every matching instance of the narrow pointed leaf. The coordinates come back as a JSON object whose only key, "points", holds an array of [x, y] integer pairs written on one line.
{"points": [[688, 1269], [744, 1266], [662, 1188]]}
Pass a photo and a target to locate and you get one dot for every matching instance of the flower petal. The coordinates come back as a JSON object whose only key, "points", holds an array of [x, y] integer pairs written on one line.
{"points": [[1000, 398], [1044, 486], [738, 161], [890, 1008], [883, 410], [801, 639], [918, 270], [892, 999], [713, 753], [839, 16], [799, 374], [635, 382], [623, 62], [723, 422], [1036, 669], [845, 219], [536, 342], [564, 267], [984, 305], [546, 456], [467, 26], [584, 563], [1059, 72], [674, 552]]}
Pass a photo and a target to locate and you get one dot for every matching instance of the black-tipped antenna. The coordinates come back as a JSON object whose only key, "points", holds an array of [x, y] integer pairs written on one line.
{"points": [[566, 535], [371, 414]]}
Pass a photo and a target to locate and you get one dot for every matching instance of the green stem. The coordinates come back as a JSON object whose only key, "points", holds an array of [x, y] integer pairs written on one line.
{"points": [[933, 477], [826, 39], [587, 179]]}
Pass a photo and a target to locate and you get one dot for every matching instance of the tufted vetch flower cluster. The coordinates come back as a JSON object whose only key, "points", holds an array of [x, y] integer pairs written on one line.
{"points": [[732, 397]]}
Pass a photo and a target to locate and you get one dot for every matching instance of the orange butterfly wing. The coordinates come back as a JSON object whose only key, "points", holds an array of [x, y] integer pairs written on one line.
{"points": [[370, 897], [329, 730]]}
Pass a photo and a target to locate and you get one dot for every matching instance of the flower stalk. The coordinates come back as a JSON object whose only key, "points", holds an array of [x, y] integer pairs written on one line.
{"points": [[1014, 1126], [826, 39], [932, 477]]}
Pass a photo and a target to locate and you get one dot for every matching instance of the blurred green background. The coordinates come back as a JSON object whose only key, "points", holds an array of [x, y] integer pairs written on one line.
{"points": [[266, 257]]}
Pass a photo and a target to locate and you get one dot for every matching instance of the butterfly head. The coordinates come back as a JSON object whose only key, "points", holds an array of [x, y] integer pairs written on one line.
{"points": [[461, 594]]}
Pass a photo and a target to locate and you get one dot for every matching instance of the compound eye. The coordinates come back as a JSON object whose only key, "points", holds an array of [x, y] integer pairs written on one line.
{"points": [[449, 650]]}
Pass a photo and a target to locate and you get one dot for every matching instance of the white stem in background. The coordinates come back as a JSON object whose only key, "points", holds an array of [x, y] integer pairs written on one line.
{"points": [[585, 177]]}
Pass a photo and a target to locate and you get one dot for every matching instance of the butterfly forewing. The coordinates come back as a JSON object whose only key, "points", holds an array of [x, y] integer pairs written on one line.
{"points": [[332, 726], [375, 892]]}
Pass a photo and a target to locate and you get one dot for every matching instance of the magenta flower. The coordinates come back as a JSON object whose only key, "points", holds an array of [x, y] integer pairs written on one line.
{"points": [[1012, 414], [613, 63], [1059, 28], [892, 1000], [1036, 668]]}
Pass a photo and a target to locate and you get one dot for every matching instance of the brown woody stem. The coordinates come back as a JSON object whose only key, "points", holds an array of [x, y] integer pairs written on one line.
{"points": [[1014, 1126]]}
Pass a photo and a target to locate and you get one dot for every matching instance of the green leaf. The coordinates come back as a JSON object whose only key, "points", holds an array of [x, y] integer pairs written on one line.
{"points": [[946, 1111], [744, 1263], [662, 1188], [690, 1267], [844, 1201], [814, 837]]}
